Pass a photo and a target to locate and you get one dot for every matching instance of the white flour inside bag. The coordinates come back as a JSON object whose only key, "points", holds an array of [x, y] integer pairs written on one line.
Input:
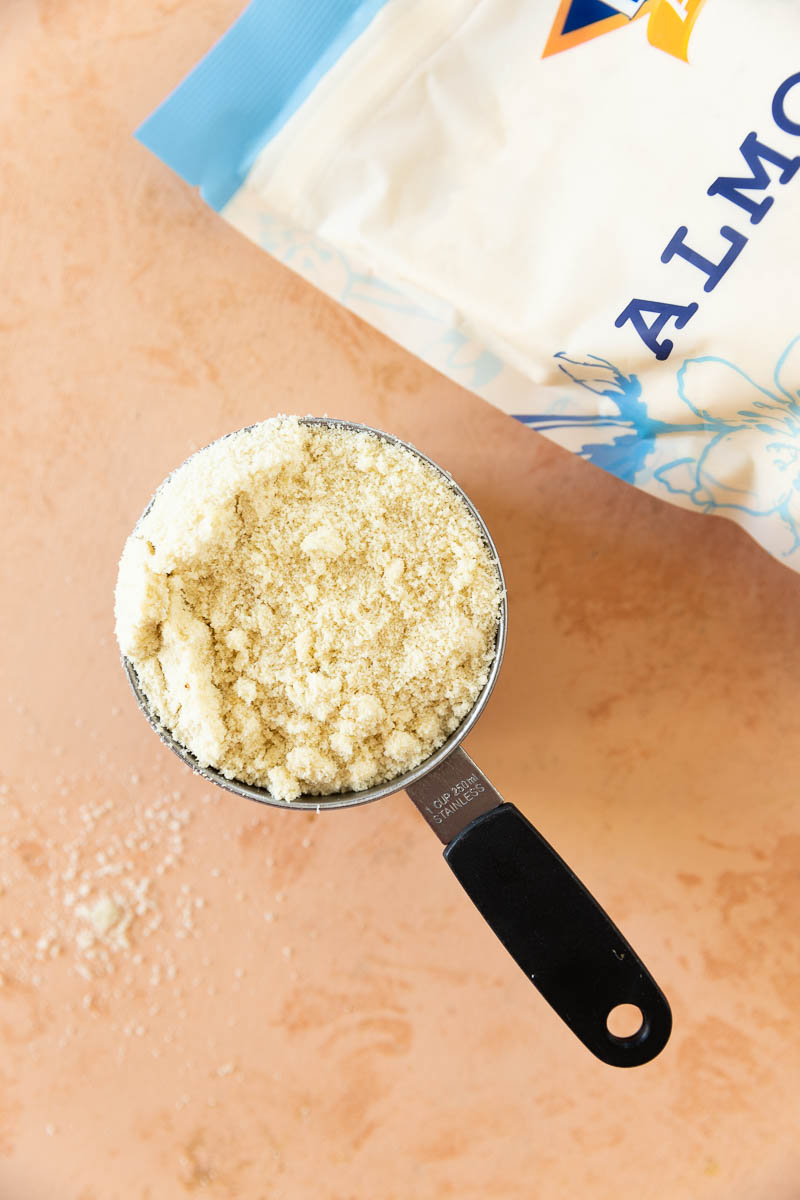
{"points": [[308, 607]]}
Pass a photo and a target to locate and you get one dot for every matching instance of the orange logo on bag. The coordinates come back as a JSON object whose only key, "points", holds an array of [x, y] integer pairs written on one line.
{"points": [[669, 27]]}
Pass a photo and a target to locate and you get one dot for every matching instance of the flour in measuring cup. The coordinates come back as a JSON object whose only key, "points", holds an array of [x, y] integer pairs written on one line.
{"points": [[308, 608]]}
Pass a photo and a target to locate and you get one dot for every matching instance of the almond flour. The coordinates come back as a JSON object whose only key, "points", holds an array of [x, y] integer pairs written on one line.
{"points": [[308, 608]]}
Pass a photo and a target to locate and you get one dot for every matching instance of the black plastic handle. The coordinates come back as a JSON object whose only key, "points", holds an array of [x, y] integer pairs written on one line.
{"points": [[558, 933]]}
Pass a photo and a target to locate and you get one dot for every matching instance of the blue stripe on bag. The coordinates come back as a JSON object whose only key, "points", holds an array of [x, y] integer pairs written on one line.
{"points": [[245, 89]]}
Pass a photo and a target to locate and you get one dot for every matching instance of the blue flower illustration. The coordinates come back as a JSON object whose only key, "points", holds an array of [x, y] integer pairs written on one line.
{"points": [[751, 462], [621, 408], [746, 461]]}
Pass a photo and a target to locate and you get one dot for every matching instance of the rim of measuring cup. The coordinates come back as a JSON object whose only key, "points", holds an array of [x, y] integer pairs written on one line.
{"points": [[399, 782]]}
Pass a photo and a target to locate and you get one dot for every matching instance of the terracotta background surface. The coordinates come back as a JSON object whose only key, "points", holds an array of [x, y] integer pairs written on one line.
{"points": [[333, 1020]]}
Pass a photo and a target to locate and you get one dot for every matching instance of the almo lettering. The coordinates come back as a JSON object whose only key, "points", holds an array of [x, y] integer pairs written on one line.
{"points": [[767, 166]]}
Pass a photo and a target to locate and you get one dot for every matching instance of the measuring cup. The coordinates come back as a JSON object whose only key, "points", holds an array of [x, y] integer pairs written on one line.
{"points": [[555, 930]]}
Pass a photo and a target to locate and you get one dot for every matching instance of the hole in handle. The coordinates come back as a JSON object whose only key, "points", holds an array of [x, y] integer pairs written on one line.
{"points": [[625, 1021]]}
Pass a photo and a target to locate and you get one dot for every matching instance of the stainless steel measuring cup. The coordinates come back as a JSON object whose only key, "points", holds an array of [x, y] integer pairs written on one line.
{"points": [[556, 931]]}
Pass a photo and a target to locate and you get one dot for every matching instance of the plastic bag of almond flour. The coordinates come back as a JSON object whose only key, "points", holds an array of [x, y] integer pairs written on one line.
{"points": [[587, 212]]}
